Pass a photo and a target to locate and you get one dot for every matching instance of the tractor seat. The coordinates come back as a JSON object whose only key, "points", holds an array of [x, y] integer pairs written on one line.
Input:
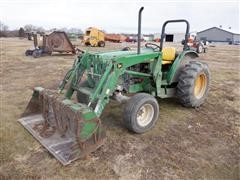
{"points": [[168, 55]]}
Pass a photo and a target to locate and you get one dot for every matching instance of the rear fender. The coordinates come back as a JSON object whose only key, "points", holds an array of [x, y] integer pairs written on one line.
{"points": [[178, 65]]}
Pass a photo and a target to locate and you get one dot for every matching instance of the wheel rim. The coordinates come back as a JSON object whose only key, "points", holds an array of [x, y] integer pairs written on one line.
{"points": [[145, 115], [200, 86]]}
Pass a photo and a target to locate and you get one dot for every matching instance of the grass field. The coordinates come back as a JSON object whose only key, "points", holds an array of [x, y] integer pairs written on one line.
{"points": [[200, 143]]}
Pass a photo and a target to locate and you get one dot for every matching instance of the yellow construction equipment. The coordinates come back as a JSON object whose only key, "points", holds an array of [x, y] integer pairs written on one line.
{"points": [[94, 37]]}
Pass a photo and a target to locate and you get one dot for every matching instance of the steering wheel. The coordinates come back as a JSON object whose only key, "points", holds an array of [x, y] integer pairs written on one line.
{"points": [[154, 47]]}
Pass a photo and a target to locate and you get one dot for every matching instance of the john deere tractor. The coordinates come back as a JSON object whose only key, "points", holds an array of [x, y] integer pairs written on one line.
{"points": [[71, 128]]}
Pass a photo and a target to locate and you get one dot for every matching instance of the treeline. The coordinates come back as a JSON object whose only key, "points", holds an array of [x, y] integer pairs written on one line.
{"points": [[28, 28]]}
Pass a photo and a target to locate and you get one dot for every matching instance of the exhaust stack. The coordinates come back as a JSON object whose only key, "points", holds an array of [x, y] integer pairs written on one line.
{"points": [[139, 29]]}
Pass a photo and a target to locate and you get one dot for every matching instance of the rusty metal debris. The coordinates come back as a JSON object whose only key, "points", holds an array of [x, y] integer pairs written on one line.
{"points": [[57, 41]]}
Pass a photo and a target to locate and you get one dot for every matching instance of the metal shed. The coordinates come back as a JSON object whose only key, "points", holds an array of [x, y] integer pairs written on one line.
{"points": [[216, 34]]}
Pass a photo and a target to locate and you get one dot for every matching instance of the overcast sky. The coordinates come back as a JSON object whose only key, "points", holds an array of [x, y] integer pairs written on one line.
{"points": [[119, 16]]}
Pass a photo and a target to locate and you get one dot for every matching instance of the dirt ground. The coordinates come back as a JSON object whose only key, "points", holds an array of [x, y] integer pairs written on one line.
{"points": [[186, 143]]}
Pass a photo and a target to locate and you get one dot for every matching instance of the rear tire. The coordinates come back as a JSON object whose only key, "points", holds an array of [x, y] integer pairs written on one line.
{"points": [[101, 44], [126, 49], [199, 48], [141, 113], [193, 84]]}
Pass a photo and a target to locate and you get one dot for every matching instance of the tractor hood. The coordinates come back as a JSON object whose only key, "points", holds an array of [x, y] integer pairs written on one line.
{"points": [[117, 54]]}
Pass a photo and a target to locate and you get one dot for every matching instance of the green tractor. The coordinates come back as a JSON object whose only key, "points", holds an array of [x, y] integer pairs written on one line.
{"points": [[69, 126]]}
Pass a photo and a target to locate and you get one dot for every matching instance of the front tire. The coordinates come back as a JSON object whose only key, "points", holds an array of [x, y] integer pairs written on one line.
{"points": [[36, 53], [141, 113], [29, 52], [193, 84]]}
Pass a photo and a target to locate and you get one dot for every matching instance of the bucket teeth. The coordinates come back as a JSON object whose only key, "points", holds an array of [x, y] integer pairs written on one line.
{"points": [[68, 130]]}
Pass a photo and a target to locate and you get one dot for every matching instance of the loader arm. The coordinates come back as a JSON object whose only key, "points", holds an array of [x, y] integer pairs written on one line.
{"points": [[52, 117], [106, 86], [109, 80]]}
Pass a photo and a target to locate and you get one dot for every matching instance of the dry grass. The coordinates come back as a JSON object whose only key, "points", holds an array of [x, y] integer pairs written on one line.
{"points": [[185, 144]]}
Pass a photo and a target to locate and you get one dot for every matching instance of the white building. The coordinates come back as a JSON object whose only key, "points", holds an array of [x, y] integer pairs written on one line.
{"points": [[171, 37]]}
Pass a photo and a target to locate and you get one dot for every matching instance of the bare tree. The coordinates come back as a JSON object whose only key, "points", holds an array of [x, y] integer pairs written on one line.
{"points": [[21, 33], [75, 31], [29, 28], [3, 29], [39, 29], [63, 29]]}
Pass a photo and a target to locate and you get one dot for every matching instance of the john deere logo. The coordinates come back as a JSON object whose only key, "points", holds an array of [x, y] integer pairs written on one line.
{"points": [[119, 66]]}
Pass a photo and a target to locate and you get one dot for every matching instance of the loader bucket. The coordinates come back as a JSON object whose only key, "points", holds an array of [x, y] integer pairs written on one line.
{"points": [[66, 129]]}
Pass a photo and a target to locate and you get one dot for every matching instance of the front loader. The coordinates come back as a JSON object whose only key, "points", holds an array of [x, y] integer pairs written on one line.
{"points": [[71, 128]]}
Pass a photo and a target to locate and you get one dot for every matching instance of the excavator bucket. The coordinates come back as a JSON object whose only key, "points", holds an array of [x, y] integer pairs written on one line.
{"points": [[67, 129]]}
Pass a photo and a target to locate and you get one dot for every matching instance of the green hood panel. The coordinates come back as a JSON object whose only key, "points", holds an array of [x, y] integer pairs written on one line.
{"points": [[117, 54]]}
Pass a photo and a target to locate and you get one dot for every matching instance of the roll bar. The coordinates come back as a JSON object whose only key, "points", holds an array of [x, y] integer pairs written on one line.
{"points": [[163, 35]]}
